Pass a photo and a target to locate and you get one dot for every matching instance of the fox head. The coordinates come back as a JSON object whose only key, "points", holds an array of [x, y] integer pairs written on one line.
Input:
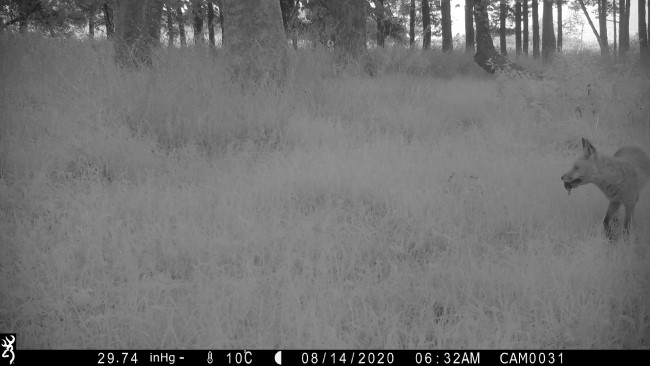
{"points": [[583, 169]]}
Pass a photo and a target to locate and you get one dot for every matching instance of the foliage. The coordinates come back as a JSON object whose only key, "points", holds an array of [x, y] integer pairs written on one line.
{"points": [[393, 26], [54, 17]]}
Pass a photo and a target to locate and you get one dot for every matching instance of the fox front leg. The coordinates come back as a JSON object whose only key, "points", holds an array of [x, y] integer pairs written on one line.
{"points": [[611, 211]]}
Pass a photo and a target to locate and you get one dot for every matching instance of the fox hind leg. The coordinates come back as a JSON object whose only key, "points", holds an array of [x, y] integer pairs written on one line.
{"points": [[629, 210]]}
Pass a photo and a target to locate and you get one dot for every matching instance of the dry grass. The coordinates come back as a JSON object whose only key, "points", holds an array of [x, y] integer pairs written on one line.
{"points": [[168, 208]]}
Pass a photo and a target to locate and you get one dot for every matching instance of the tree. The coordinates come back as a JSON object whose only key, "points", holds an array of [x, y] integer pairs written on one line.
{"points": [[254, 39], [412, 23], [518, 27], [85, 8], [426, 25], [23, 10], [379, 17], [153, 18], [220, 5], [447, 40], [486, 55], [559, 25], [91, 24], [624, 28], [286, 7], [525, 26], [342, 24], [211, 22], [108, 20], [602, 41], [350, 30], [387, 24], [503, 12], [602, 22], [136, 31], [548, 32], [197, 21], [469, 25], [171, 35], [289, 10], [181, 24], [614, 21], [643, 35], [535, 7], [55, 17]]}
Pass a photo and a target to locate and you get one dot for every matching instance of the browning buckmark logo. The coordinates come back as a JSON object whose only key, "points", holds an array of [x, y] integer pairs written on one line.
{"points": [[8, 341]]}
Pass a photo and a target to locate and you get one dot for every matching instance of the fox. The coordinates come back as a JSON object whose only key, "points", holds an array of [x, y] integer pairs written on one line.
{"points": [[620, 177]]}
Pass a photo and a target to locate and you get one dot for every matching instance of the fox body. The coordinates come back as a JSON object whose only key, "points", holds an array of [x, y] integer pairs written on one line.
{"points": [[620, 177]]}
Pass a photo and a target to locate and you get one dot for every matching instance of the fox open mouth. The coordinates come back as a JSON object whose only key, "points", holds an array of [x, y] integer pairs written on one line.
{"points": [[572, 184]]}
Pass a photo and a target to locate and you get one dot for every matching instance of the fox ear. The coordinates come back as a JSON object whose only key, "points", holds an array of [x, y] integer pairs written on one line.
{"points": [[588, 149]]}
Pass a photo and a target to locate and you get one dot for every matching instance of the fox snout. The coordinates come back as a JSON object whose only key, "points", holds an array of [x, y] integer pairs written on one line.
{"points": [[570, 182]]}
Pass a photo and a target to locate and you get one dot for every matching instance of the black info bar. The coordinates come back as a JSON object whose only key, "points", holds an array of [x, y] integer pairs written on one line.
{"points": [[326, 357]]}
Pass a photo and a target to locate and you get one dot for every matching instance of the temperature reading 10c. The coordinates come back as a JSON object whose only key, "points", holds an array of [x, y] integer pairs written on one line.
{"points": [[239, 358]]}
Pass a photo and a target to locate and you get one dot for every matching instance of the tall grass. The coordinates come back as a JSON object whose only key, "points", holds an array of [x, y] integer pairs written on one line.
{"points": [[420, 208]]}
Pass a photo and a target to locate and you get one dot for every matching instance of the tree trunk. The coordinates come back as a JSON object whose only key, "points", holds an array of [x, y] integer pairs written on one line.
{"points": [[131, 44], [286, 7], [469, 25], [426, 25], [623, 28], [108, 20], [181, 25], [211, 22], [486, 55], [379, 15], [643, 35], [518, 28], [289, 10], [548, 32], [614, 13], [197, 12], [170, 26], [220, 3], [254, 39], [602, 22], [412, 23], [503, 12], [627, 25], [91, 24], [484, 46], [535, 7], [447, 38], [559, 25], [525, 30]]}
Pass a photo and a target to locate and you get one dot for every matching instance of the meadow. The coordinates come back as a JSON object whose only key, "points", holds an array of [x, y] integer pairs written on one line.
{"points": [[419, 208]]}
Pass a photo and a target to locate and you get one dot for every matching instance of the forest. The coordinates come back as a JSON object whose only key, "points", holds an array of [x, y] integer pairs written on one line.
{"points": [[319, 174]]}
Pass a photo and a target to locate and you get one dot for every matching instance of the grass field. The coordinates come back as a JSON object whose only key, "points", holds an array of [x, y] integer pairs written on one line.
{"points": [[420, 208]]}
